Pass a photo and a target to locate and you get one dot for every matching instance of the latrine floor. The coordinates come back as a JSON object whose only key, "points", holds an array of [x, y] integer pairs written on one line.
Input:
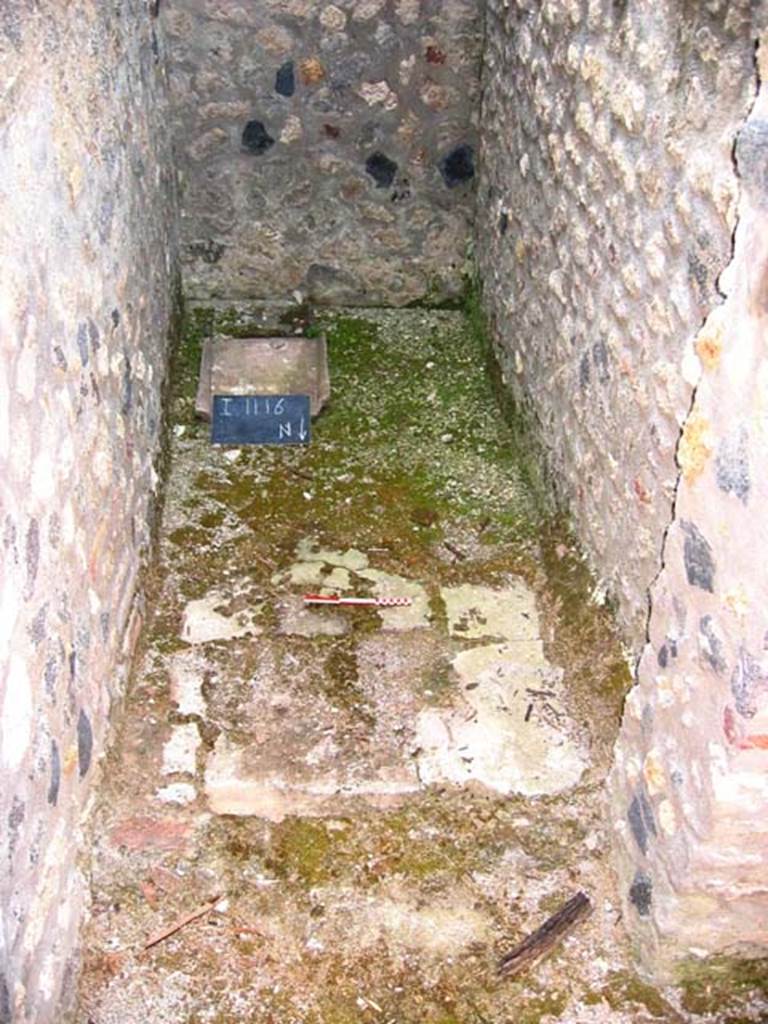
{"points": [[357, 811]]}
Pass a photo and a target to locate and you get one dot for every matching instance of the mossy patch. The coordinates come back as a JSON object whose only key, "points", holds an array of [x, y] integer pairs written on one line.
{"points": [[722, 985], [302, 850]]}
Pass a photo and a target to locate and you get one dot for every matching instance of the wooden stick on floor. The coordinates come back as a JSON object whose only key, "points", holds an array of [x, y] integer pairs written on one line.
{"points": [[547, 937], [180, 923]]}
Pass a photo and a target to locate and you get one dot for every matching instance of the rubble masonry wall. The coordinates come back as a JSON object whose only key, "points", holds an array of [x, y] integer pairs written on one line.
{"points": [[326, 151], [615, 166], [87, 300], [607, 203]]}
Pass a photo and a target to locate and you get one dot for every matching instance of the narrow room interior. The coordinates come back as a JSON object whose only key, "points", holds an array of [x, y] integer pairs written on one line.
{"points": [[446, 702]]}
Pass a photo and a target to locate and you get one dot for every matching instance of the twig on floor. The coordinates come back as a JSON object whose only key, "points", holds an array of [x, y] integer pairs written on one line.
{"points": [[182, 922], [459, 555], [546, 937], [264, 560]]}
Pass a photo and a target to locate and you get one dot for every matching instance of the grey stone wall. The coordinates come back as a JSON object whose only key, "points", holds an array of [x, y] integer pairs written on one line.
{"points": [[690, 786], [326, 149], [608, 202], [86, 249]]}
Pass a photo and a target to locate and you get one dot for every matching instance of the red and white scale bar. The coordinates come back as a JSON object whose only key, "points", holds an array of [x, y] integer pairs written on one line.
{"points": [[380, 602]]}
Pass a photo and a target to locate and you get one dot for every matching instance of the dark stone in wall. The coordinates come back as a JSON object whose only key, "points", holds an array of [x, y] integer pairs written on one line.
{"points": [[458, 166], [93, 335], [640, 818], [600, 359], [5, 1002], [732, 465], [50, 674], [59, 358], [33, 554], [285, 79], [698, 271], [256, 138], [36, 629], [697, 556], [325, 284], [663, 656], [641, 893], [752, 158], [503, 222], [10, 25], [84, 743], [15, 819], [402, 191], [584, 371], [381, 169], [127, 387], [54, 529], [106, 215], [647, 719], [747, 678], [9, 537], [208, 251], [712, 646], [55, 779]]}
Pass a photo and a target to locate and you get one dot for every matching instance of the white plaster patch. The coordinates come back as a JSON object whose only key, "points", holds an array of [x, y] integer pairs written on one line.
{"points": [[475, 612], [186, 672], [504, 734], [180, 751], [231, 789], [202, 622], [438, 927], [16, 723], [178, 793]]}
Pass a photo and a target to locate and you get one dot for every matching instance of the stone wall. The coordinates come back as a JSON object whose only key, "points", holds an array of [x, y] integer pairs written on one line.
{"points": [[608, 202], [690, 785], [86, 204], [326, 149]]}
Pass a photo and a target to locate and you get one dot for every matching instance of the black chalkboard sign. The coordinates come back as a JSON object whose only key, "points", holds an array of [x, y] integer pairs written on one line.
{"points": [[260, 419]]}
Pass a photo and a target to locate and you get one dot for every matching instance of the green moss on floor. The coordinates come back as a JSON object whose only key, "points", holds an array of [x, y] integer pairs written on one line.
{"points": [[720, 984]]}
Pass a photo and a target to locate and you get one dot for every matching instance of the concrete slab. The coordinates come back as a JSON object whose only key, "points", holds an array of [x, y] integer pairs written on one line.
{"points": [[478, 612], [509, 730], [203, 620]]}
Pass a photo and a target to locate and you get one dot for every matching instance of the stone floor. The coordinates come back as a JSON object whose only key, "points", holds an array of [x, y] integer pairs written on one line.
{"points": [[371, 805]]}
